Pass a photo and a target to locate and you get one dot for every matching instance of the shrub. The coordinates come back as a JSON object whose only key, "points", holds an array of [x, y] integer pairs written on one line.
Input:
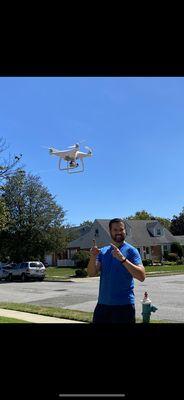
{"points": [[179, 262], [177, 249], [172, 257], [81, 259], [80, 273], [146, 263], [166, 255]]}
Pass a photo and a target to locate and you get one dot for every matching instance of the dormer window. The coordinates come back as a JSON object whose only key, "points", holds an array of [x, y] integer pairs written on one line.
{"points": [[96, 232], [158, 232]]}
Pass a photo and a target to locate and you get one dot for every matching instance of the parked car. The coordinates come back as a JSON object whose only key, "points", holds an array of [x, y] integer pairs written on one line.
{"points": [[34, 270], [8, 268], [3, 274], [26, 270], [9, 265]]}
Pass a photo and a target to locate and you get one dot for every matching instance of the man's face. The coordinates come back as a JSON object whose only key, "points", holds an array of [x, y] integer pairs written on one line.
{"points": [[117, 232]]}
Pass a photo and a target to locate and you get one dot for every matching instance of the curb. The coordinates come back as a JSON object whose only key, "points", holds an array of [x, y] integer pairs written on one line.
{"points": [[72, 280], [148, 274], [57, 280]]}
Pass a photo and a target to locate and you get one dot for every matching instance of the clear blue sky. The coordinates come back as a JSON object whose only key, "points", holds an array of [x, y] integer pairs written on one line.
{"points": [[134, 125]]}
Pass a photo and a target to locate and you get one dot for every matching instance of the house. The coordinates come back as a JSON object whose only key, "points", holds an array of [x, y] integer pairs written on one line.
{"points": [[179, 239], [63, 259], [148, 236]]}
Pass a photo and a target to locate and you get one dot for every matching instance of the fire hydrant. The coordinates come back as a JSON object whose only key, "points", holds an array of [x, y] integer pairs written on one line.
{"points": [[147, 308]]}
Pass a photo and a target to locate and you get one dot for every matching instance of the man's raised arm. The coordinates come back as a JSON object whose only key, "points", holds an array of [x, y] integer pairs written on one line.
{"points": [[93, 267]]}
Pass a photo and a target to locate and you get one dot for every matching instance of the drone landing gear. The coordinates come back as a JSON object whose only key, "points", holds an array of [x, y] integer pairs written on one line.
{"points": [[70, 166]]}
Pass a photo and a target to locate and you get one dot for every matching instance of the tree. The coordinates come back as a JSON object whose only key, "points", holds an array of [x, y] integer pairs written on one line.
{"points": [[87, 223], [34, 218], [140, 215], [3, 214], [7, 167], [145, 215], [56, 239], [177, 224]]}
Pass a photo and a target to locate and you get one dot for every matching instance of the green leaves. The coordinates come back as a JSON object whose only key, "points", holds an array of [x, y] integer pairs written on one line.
{"points": [[35, 219], [4, 215], [143, 215], [177, 224]]}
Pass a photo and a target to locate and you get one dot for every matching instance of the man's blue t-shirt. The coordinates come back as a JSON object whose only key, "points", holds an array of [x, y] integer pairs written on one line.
{"points": [[116, 283]]}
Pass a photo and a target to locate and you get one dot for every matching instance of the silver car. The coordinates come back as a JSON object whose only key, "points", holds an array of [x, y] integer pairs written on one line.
{"points": [[32, 270], [26, 270]]}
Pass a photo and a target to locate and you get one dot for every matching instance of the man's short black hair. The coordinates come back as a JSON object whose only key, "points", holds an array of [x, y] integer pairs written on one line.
{"points": [[112, 221]]}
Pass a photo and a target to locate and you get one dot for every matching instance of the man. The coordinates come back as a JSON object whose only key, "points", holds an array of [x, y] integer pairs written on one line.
{"points": [[118, 264]]}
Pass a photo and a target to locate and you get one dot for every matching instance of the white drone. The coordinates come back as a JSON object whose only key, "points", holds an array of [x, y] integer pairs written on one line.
{"points": [[70, 156]]}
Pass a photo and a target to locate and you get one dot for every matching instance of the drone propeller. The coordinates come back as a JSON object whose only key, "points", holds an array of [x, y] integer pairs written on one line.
{"points": [[45, 147], [76, 145], [51, 149], [89, 149]]}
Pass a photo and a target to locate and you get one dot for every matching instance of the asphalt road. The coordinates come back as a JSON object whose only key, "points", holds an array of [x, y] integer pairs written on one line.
{"points": [[166, 293]]}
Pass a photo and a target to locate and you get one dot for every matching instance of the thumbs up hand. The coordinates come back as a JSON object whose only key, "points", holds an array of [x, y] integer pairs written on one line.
{"points": [[94, 250]]}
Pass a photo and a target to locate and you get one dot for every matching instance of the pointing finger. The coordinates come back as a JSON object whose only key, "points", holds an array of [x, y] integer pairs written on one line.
{"points": [[94, 242], [114, 247]]}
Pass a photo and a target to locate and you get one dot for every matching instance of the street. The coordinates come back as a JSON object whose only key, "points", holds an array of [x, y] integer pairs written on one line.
{"points": [[165, 292]]}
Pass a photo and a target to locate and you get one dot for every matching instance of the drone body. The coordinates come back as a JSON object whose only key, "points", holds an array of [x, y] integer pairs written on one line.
{"points": [[71, 156]]}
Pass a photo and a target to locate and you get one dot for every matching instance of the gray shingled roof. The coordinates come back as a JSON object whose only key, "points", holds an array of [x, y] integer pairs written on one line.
{"points": [[79, 231], [179, 238], [86, 241], [141, 236], [138, 234]]}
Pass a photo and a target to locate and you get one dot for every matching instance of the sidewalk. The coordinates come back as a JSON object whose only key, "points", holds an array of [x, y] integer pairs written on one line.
{"points": [[36, 318], [83, 280], [88, 279]]}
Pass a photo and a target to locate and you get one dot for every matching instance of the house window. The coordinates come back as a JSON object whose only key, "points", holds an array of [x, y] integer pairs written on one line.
{"points": [[165, 247], [158, 232], [96, 232], [147, 250], [139, 250]]}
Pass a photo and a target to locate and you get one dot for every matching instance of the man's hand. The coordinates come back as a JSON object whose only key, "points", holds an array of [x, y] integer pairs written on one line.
{"points": [[137, 271], [117, 253], [94, 250]]}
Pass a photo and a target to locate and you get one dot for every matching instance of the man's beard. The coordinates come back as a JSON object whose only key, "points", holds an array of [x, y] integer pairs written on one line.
{"points": [[118, 238]]}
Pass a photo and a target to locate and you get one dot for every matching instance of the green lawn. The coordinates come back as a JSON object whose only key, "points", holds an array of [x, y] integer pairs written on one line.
{"points": [[165, 268], [56, 312], [66, 273], [6, 320], [53, 272]]}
